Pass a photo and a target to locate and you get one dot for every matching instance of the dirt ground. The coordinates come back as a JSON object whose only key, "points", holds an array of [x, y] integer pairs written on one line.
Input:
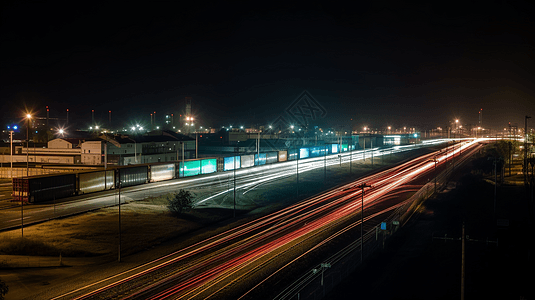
{"points": [[97, 233]]}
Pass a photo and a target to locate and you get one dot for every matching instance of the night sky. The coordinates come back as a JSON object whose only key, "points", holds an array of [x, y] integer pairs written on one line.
{"points": [[378, 63]]}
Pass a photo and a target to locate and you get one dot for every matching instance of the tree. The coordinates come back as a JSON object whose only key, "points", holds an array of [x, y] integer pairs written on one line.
{"points": [[3, 289], [180, 202]]}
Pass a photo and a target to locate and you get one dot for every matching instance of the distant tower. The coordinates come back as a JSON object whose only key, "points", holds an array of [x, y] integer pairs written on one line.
{"points": [[189, 117], [109, 118], [92, 117], [47, 118], [67, 116], [188, 106], [480, 118]]}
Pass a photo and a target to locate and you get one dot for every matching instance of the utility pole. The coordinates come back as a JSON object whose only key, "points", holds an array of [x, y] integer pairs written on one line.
{"points": [[362, 186], [297, 174], [234, 211], [435, 160], [526, 150], [371, 148], [11, 148], [119, 247], [464, 238], [350, 155], [463, 242], [325, 165]]}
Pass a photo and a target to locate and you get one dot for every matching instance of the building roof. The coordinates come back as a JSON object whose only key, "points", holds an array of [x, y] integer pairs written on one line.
{"points": [[158, 137]]}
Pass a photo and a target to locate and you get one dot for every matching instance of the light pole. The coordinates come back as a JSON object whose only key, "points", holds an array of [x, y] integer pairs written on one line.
{"points": [[435, 160], [234, 212], [119, 246], [456, 127], [28, 117], [362, 186], [297, 173], [526, 150], [11, 155]]}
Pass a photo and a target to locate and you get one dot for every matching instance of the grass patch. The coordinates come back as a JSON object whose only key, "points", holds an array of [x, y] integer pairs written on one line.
{"points": [[29, 246]]}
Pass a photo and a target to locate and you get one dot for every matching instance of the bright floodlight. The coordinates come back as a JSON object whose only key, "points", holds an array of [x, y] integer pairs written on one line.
{"points": [[61, 131], [133, 128], [29, 116]]}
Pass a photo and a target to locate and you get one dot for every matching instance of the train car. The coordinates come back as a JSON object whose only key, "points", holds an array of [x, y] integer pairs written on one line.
{"points": [[260, 159], [283, 156], [231, 162], [333, 148], [293, 154], [208, 165], [44, 187], [318, 151], [162, 172], [89, 182], [304, 153], [130, 176], [272, 157], [189, 168], [247, 161]]}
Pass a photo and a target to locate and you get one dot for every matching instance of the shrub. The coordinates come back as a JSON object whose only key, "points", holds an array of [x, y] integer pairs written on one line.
{"points": [[3, 289], [180, 202]]}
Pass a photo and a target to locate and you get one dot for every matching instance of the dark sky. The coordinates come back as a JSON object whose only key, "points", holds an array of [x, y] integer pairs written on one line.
{"points": [[378, 63]]}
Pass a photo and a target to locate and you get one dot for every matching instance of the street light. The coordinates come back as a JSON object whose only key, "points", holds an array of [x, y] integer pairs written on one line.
{"points": [[435, 160], [362, 186], [28, 117]]}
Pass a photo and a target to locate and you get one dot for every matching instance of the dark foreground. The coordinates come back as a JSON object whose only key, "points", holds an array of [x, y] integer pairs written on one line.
{"points": [[413, 265]]}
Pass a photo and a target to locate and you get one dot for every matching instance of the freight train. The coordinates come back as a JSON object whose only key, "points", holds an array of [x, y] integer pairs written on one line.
{"points": [[55, 186]]}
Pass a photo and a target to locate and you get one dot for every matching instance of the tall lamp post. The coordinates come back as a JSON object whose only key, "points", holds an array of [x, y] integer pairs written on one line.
{"points": [[11, 158], [435, 160], [28, 117], [362, 186]]}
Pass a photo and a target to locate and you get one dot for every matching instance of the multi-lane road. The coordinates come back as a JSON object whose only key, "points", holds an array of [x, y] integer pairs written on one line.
{"points": [[235, 263]]}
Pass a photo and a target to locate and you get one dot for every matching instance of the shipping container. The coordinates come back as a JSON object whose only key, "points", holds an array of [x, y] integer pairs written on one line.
{"points": [[130, 176], [231, 163], [189, 168], [162, 172], [260, 159], [208, 166], [318, 151], [247, 161], [44, 187], [272, 157], [293, 154], [95, 181], [283, 156], [334, 149], [304, 153]]}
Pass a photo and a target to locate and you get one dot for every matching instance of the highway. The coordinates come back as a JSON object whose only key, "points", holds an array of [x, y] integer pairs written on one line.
{"points": [[213, 188], [233, 264]]}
